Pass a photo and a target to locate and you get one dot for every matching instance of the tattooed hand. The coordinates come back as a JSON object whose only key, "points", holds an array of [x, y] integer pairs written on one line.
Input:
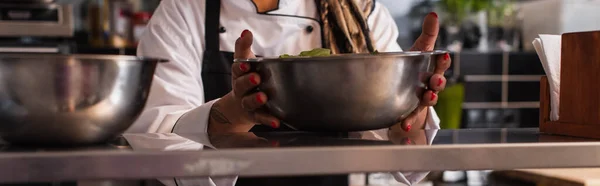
{"points": [[240, 110]]}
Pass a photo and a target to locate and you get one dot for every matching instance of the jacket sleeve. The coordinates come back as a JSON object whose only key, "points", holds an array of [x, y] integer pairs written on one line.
{"points": [[385, 34], [176, 100]]}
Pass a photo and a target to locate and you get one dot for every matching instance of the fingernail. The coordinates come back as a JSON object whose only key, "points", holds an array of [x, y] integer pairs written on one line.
{"points": [[253, 80], [275, 143], [434, 14], [408, 141], [433, 96], [274, 124], [244, 67], [440, 81], [408, 127], [260, 99], [447, 56], [244, 33]]}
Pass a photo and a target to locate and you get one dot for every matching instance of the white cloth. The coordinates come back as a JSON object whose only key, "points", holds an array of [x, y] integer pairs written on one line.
{"points": [[548, 48], [176, 32]]}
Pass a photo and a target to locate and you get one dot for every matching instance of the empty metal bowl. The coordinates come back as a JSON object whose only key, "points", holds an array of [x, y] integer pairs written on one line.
{"points": [[350, 92], [71, 99]]}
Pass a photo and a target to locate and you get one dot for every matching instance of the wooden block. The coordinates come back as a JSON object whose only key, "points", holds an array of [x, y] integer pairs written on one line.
{"points": [[579, 108], [544, 101], [556, 177], [580, 69], [571, 129]]}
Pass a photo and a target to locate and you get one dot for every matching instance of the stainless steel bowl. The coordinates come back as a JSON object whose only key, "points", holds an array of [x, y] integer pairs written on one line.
{"points": [[71, 99], [351, 92]]}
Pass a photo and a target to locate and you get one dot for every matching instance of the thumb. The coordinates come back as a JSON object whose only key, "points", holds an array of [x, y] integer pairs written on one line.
{"points": [[242, 46], [429, 34]]}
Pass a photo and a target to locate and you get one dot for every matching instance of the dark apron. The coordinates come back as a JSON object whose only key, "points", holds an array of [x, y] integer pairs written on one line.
{"points": [[216, 77]]}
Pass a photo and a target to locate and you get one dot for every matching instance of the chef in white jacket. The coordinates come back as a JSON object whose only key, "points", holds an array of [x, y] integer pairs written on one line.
{"points": [[201, 90]]}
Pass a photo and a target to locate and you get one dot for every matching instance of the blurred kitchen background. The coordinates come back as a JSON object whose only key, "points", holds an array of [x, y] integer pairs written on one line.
{"points": [[494, 80]]}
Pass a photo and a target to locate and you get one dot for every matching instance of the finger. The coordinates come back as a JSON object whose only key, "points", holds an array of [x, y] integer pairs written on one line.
{"points": [[266, 119], [275, 143], [242, 46], [443, 63], [254, 101], [429, 33], [411, 119], [437, 82], [430, 98], [407, 141], [239, 69], [245, 83]]}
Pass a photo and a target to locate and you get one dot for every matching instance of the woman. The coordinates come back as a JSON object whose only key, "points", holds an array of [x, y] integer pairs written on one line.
{"points": [[201, 90]]}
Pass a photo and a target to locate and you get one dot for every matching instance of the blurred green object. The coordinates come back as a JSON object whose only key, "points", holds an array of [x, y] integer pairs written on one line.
{"points": [[500, 11], [449, 106], [458, 10]]}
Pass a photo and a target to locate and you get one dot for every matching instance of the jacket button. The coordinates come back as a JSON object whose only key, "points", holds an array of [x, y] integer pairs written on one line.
{"points": [[222, 29], [309, 29]]}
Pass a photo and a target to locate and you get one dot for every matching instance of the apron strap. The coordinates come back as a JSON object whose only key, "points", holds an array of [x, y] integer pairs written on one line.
{"points": [[213, 15], [216, 65]]}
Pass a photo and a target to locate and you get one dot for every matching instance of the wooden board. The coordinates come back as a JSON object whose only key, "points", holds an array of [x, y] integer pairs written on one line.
{"points": [[580, 66], [556, 177], [579, 108]]}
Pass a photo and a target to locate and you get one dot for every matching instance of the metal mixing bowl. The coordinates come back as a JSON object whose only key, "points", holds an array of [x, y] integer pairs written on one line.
{"points": [[71, 99], [350, 92]]}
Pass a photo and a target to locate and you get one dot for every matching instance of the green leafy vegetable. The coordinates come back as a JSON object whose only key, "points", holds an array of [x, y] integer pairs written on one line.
{"points": [[285, 56], [316, 52], [311, 53]]}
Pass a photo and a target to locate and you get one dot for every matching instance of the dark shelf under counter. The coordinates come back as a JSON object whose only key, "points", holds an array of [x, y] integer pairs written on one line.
{"points": [[501, 88], [104, 50], [491, 63]]}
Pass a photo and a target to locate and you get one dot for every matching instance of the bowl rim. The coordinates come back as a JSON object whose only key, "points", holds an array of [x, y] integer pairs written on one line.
{"points": [[344, 56], [82, 56]]}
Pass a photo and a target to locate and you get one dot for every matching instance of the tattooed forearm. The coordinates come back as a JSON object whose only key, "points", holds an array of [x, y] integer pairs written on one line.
{"points": [[217, 115]]}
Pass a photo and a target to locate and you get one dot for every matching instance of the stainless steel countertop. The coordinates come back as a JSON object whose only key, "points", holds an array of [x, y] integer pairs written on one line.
{"points": [[142, 156]]}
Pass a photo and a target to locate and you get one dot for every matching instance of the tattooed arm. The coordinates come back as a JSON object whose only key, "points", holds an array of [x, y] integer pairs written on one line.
{"points": [[217, 116], [228, 116]]}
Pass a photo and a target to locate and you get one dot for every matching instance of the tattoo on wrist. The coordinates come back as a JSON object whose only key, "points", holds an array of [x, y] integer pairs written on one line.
{"points": [[217, 115]]}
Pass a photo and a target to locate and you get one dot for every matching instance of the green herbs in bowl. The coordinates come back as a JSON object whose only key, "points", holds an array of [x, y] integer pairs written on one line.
{"points": [[317, 52]]}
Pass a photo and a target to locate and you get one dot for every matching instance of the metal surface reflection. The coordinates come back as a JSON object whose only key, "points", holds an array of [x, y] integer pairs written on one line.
{"points": [[203, 141], [298, 153], [71, 99], [384, 88]]}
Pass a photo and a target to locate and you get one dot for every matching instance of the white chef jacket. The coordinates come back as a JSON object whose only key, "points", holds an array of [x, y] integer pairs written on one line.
{"points": [[176, 32]]}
